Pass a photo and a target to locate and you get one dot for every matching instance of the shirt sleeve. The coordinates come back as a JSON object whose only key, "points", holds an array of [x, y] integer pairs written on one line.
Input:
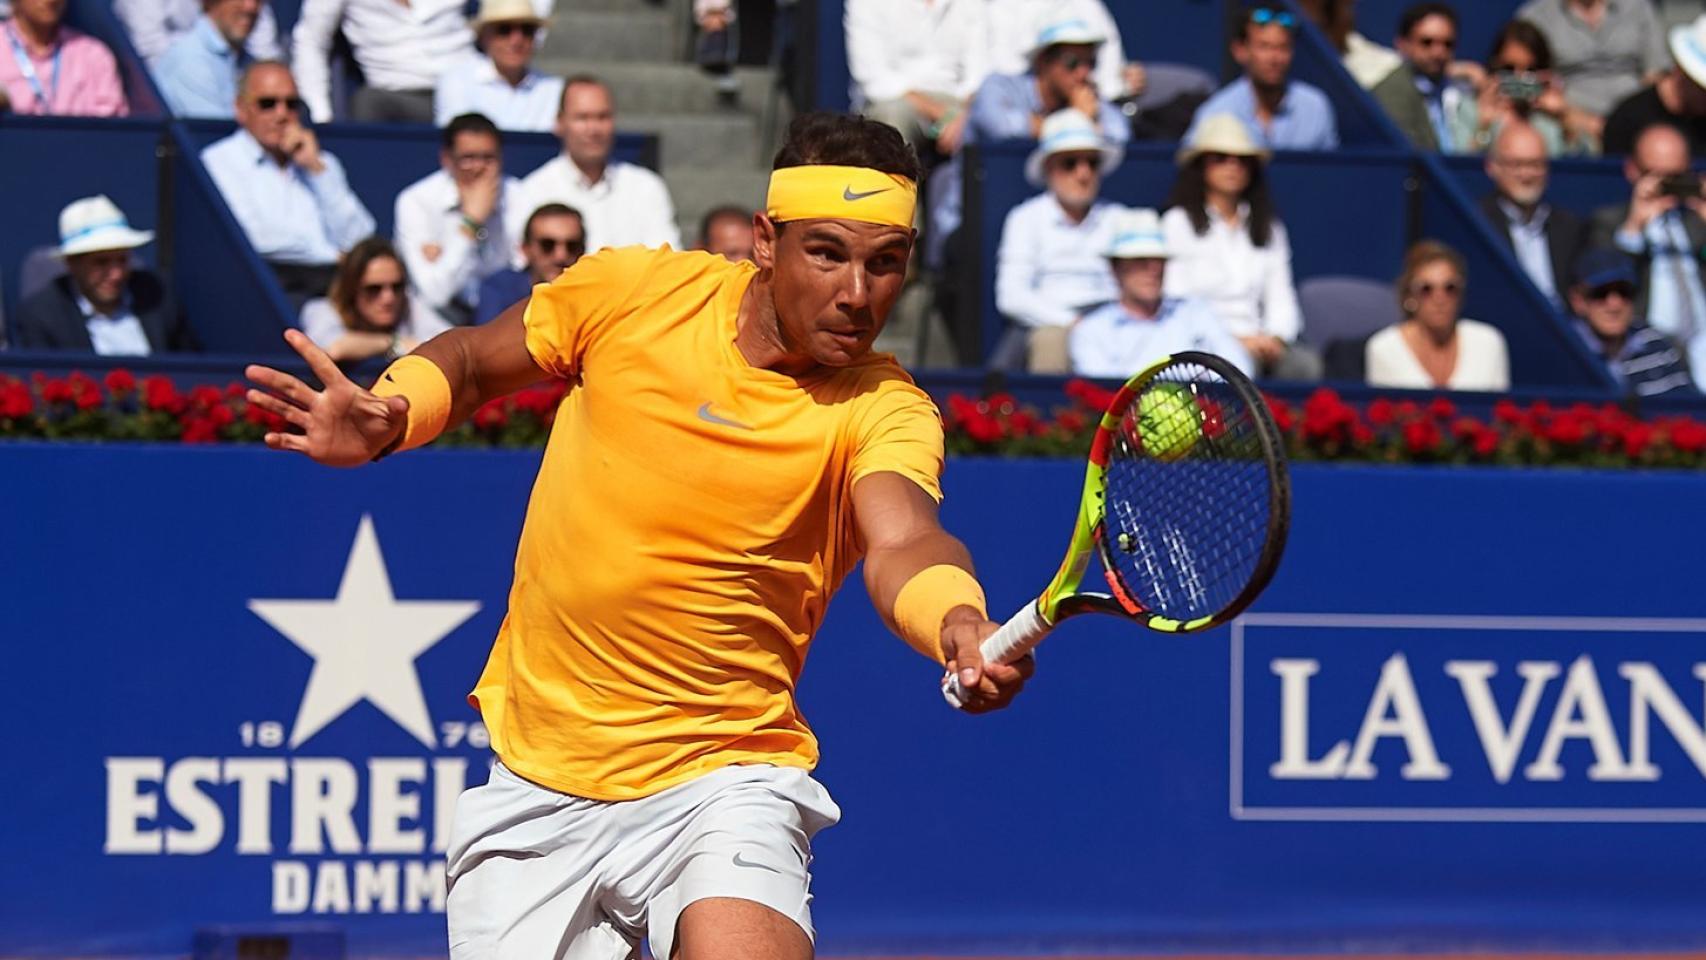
{"points": [[999, 112], [321, 322], [347, 221], [1281, 316], [187, 87], [974, 51], [1218, 340], [566, 317], [263, 40], [310, 50], [437, 280], [871, 71], [1017, 262], [900, 432]]}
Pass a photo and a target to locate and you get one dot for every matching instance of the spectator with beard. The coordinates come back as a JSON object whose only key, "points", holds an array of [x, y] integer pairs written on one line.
{"points": [[1545, 239], [1286, 114]]}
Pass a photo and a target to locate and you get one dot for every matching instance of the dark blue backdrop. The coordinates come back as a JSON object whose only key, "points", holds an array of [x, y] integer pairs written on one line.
{"points": [[1129, 801]]}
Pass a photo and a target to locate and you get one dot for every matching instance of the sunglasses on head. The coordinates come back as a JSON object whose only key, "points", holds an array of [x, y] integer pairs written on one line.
{"points": [[375, 289], [1262, 16], [1450, 288], [548, 245], [268, 104], [505, 29], [1621, 289], [1071, 162]]}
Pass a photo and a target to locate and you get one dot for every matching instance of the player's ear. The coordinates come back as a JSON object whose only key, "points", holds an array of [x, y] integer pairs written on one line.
{"points": [[765, 235]]}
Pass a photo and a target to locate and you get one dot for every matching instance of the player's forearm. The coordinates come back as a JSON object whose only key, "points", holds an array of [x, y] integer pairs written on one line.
{"points": [[938, 597], [450, 376]]}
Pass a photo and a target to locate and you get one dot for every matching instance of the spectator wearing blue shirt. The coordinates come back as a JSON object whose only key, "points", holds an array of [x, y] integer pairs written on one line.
{"points": [[499, 82], [553, 239], [1049, 268], [290, 197], [1645, 362], [198, 73], [1285, 114], [1118, 339]]}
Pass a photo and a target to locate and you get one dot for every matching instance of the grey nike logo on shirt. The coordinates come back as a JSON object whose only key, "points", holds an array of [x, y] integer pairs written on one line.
{"points": [[848, 194], [706, 415], [739, 862]]}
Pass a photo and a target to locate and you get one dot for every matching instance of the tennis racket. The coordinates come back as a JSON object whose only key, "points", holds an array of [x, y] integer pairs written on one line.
{"points": [[1186, 501]]}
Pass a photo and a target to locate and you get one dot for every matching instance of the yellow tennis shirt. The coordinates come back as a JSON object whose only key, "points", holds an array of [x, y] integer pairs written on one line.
{"points": [[690, 521]]}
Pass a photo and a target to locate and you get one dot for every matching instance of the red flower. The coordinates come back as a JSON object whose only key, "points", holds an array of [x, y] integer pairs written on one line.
{"points": [[206, 397], [1636, 437], [1002, 402], [1325, 416], [1281, 412], [88, 399], [120, 381], [1506, 411], [1089, 394], [1361, 435], [200, 430], [491, 415], [1565, 431], [984, 428], [1466, 428], [159, 393], [233, 390], [960, 408], [15, 401], [1688, 435], [55, 391], [1421, 435], [1442, 408], [1380, 412], [1070, 421], [1486, 441], [221, 416], [1025, 423]]}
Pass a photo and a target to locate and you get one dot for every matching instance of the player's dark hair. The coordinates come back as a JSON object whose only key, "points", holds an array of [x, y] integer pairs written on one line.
{"points": [[844, 140], [1421, 11], [470, 123], [552, 210]]}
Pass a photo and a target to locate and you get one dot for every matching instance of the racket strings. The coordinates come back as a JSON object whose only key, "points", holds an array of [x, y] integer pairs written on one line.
{"points": [[1186, 515]]}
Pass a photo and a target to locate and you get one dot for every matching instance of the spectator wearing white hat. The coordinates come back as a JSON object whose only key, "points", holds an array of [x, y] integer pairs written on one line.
{"points": [[499, 82], [1118, 339], [401, 49], [1049, 269], [1287, 114], [1677, 98], [1015, 24], [1230, 249], [102, 304], [915, 65]]}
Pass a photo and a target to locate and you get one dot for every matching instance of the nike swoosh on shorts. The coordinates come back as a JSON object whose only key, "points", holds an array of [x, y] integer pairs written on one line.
{"points": [[739, 862]]}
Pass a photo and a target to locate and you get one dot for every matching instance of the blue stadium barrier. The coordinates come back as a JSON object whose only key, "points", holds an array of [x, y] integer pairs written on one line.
{"points": [[1479, 21], [1579, 185], [1360, 119], [1348, 766], [96, 18], [63, 158]]}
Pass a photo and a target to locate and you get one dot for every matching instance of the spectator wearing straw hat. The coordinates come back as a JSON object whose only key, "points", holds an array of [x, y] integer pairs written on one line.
{"points": [[1287, 114], [1230, 249], [1118, 339], [499, 82], [1677, 98], [102, 304], [1049, 269]]}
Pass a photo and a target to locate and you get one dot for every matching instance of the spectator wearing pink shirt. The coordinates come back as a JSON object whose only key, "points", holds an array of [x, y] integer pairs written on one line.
{"points": [[49, 68]]}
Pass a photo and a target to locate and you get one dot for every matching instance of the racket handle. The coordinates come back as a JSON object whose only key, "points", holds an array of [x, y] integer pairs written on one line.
{"points": [[1013, 640]]}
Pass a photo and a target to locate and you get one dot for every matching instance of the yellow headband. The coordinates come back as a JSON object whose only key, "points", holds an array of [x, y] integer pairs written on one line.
{"points": [[841, 193]]}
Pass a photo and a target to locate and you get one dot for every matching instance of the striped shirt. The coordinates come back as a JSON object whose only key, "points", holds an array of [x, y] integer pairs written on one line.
{"points": [[1647, 364]]}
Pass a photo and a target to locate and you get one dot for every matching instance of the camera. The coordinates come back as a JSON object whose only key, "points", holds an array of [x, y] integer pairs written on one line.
{"points": [[1685, 186], [1521, 87]]}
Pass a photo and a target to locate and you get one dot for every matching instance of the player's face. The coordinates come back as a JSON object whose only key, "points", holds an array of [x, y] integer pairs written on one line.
{"points": [[100, 276], [834, 283], [587, 123], [379, 299]]}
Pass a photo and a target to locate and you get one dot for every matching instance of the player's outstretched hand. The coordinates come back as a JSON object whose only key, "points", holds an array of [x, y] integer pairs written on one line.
{"points": [[339, 426], [986, 686]]}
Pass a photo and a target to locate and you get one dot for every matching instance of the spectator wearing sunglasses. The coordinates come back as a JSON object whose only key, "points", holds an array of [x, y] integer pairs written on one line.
{"points": [[290, 197], [1014, 26], [1049, 269], [1604, 50], [1287, 114], [500, 82], [1230, 249], [553, 239], [368, 312], [1434, 347], [1431, 107], [450, 225], [198, 74], [1644, 362], [402, 48]]}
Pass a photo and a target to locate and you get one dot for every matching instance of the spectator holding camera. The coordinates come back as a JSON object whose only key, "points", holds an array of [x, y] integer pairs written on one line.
{"points": [[1644, 362], [1434, 346], [1288, 114], [1519, 85], [1677, 98], [1604, 50], [1661, 227]]}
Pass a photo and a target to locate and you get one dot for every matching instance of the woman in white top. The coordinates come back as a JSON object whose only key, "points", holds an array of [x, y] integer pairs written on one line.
{"points": [[367, 313], [1230, 249], [1432, 347]]}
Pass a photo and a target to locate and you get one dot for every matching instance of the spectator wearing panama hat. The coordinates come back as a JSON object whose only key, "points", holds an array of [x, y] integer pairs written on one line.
{"points": [[1118, 339], [102, 304], [1677, 98], [1049, 268], [1230, 249], [498, 81]]}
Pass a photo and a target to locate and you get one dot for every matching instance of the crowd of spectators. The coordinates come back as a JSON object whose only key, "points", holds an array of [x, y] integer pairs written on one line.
{"points": [[1086, 284]]}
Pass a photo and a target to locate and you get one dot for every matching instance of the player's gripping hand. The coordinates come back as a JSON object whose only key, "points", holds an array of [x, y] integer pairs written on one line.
{"points": [[339, 426], [987, 686]]}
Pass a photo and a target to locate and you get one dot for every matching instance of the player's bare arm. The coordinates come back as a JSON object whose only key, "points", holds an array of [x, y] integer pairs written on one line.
{"points": [[897, 522], [344, 425]]}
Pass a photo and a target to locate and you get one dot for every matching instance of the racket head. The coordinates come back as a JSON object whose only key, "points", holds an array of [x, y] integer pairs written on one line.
{"points": [[1186, 500]]}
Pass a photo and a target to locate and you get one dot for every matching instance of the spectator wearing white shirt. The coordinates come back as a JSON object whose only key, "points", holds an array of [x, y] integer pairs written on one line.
{"points": [[368, 312], [1049, 269], [500, 82], [153, 26], [916, 64], [1118, 339], [1435, 347], [290, 197], [401, 48], [622, 203], [450, 225], [1013, 26], [1230, 249]]}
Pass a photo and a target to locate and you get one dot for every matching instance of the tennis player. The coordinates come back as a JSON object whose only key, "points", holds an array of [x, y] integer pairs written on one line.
{"points": [[730, 450]]}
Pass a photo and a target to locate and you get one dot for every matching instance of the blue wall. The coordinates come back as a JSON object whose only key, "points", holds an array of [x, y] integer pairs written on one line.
{"points": [[1130, 795]]}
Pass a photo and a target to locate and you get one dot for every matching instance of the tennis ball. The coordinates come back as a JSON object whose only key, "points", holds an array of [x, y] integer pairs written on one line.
{"points": [[1168, 421]]}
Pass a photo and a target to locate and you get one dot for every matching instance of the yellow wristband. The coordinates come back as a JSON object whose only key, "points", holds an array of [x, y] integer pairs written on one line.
{"points": [[926, 599], [425, 386]]}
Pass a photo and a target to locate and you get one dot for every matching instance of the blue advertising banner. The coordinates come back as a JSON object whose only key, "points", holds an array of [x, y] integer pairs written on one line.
{"points": [[1471, 710]]}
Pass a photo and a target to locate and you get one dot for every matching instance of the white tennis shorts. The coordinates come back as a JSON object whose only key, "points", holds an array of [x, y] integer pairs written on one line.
{"points": [[534, 873]]}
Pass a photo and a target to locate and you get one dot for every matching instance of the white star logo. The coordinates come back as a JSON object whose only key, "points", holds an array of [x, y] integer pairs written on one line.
{"points": [[364, 643]]}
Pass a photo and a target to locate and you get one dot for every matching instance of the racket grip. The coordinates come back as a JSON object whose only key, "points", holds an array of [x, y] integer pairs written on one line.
{"points": [[1015, 638]]}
